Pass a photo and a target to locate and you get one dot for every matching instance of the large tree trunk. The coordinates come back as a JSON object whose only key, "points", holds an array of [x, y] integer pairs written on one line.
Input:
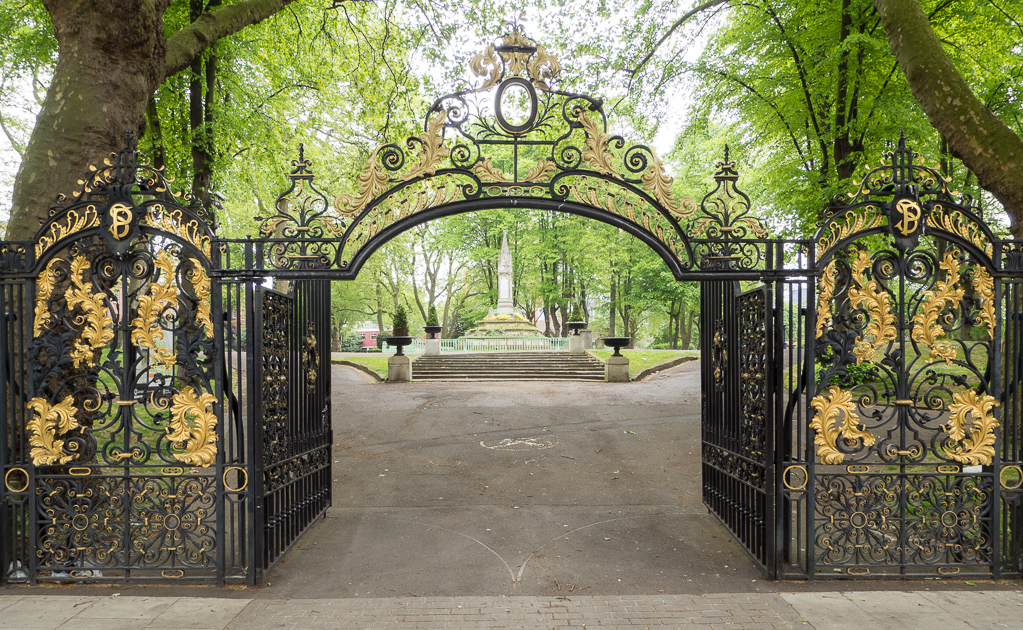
{"points": [[985, 144], [107, 69], [111, 57]]}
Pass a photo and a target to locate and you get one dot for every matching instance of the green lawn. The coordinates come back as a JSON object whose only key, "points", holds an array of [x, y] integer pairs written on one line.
{"points": [[374, 361], [640, 360]]}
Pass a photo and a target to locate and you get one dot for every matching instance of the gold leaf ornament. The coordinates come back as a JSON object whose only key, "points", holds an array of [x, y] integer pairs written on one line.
{"points": [[372, 182], [826, 290], [596, 152], [979, 447], [97, 326], [193, 427], [432, 150], [830, 406], [48, 424], [543, 67], [487, 170], [146, 329], [45, 284], [486, 65], [658, 184], [984, 285], [543, 171], [870, 297], [947, 294], [201, 285]]}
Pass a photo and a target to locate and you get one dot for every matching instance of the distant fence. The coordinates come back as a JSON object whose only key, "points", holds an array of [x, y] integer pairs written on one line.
{"points": [[490, 344]]}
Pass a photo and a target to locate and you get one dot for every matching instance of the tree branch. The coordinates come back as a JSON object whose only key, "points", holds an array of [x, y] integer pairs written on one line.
{"points": [[671, 30], [985, 144], [192, 40]]}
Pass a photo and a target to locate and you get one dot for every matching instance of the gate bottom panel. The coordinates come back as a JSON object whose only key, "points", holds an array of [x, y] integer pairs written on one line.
{"points": [[736, 498], [98, 527], [903, 524], [297, 492]]}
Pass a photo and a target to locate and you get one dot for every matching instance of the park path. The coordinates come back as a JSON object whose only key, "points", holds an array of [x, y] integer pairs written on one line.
{"points": [[518, 505]]}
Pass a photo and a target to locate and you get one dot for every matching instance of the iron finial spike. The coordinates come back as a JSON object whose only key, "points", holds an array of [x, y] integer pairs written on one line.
{"points": [[301, 152], [726, 153], [902, 139]]}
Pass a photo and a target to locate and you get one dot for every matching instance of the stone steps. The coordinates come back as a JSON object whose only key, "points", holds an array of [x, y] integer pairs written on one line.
{"points": [[511, 366]]}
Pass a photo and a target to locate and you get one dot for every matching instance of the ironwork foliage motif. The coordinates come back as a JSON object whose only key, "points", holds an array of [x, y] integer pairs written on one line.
{"points": [[511, 135], [905, 327], [121, 378]]}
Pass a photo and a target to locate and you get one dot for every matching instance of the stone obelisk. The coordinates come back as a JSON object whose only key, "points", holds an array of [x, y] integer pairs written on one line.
{"points": [[505, 305]]}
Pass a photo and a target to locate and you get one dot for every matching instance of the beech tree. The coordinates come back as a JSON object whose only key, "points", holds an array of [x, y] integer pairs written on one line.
{"points": [[985, 144], [112, 56]]}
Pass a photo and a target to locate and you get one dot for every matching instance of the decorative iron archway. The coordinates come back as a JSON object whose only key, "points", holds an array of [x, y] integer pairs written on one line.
{"points": [[473, 155], [165, 416]]}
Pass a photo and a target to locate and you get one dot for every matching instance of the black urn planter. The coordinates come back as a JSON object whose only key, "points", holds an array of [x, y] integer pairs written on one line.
{"points": [[575, 327], [433, 331], [399, 342], [615, 342]]}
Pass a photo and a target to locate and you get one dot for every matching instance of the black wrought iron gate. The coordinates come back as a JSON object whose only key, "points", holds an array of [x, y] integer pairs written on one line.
{"points": [[165, 416], [292, 431], [737, 421]]}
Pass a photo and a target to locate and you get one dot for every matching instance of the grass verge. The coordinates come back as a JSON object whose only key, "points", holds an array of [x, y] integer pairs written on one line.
{"points": [[640, 360]]}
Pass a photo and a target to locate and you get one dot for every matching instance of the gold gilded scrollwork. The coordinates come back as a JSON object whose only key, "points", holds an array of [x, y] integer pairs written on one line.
{"points": [[626, 205], [826, 290], [97, 326], [542, 171], [146, 329], [870, 297], [487, 170], [947, 295], [432, 150], [201, 286], [984, 285], [515, 60], [829, 406], [173, 221], [418, 197], [597, 142], [45, 284], [372, 182], [48, 424], [979, 447], [193, 427], [848, 224], [543, 67], [658, 184], [74, 221], [958, 223], [486, 65]]}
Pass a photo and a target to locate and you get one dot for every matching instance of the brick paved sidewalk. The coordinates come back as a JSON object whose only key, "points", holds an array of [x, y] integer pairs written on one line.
{"points": [[878, 610]]}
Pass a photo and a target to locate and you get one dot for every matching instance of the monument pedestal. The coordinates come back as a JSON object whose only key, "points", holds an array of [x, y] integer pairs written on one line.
{"points": [[399, 369], [587, 336], [432, 347], [616, 369], [575, 344]]}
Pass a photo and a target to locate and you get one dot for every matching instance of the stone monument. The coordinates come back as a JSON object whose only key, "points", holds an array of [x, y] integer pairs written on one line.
{"points": [[504, 320], [505, 305]]}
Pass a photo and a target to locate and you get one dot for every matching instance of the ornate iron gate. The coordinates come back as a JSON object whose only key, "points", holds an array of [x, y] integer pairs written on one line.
{"points": [[737, 427], [291, 390], [915, 423], [165, 416]]}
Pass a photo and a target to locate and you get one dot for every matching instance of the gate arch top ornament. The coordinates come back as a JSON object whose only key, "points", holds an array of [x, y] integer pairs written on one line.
{"points": [[510, 138]]}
